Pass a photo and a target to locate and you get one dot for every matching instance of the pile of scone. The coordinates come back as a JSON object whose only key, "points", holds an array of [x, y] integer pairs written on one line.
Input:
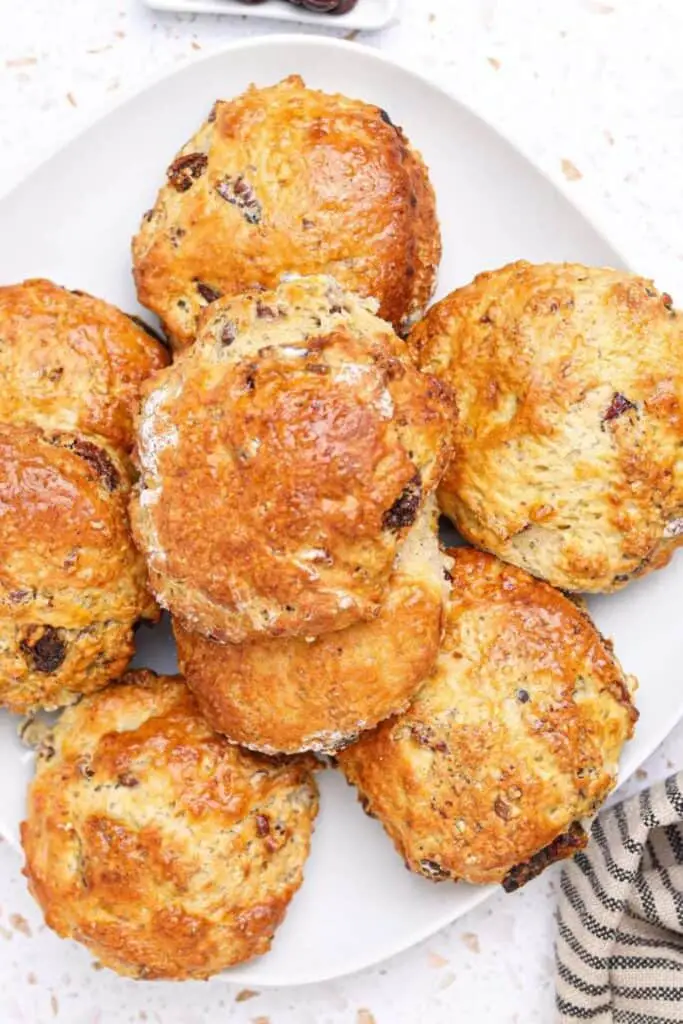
{"points": [[276, 487]]}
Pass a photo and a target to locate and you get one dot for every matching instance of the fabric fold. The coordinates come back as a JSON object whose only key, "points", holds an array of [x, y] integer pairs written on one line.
{"points": [[619, 950]]}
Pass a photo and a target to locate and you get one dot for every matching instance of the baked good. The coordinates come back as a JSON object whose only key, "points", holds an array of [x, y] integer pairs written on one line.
{"points": [[71, 362], [283, 459], [293, 694], [165, 850], [569, 383], [72, 585], [512, 742], [286, 179]]}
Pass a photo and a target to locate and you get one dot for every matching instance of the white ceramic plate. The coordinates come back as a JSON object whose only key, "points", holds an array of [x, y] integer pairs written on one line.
{"points": [[72, 220], [366, 16]]}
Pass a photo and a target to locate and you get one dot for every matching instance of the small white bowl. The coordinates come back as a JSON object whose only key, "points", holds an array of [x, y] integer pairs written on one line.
{"points": [[367, 15]]}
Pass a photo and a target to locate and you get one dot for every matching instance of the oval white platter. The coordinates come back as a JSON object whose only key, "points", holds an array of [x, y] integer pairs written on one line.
{"points": [[72, 220], [366, 16]]}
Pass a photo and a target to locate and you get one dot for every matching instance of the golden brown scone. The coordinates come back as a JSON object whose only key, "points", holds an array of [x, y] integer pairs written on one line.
{"points": [[510, 744], [283, 459], [292, 695], [161, 847], [69, 361], [569, 383], [72, 585], [288, 179]]}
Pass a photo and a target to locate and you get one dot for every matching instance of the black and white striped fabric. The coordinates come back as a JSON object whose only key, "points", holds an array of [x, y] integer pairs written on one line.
{"points": [[619, 953]]}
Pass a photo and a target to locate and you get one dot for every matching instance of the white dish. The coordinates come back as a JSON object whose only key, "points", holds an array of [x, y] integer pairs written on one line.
{"points": [[367, 16], [72, 220]]}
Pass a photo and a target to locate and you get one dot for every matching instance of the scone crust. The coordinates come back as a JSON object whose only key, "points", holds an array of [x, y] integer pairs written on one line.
{"points": [[283, 459], [286, 179], [161, 847], [292, 695], [569, 386], [72, 584], [511, 742], [69, 361]]}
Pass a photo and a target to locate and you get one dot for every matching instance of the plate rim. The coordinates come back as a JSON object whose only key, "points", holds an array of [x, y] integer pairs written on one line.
{"points": [[307, 40], [245, 973]]}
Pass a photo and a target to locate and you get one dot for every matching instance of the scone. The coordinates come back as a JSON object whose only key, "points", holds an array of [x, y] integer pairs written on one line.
{"points": [[569, 384], [513, 741], [161, 847], [72, 585], [294, 694], [288, 179], [71, 362], [283, 459]]}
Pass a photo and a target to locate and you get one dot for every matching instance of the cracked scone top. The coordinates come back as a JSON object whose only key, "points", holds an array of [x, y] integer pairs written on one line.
{"points": [[569, 384], [293, 694], [286, 179], [69, 361], [162, 848], [72, 585], [510, 744], [283, 459]]}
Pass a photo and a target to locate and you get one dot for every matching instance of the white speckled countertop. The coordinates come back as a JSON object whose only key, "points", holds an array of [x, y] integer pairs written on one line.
{"points": [[592, 90]]}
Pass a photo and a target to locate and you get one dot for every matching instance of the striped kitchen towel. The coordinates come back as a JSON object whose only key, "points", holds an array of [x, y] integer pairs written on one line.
{"points": [[619, 953]]}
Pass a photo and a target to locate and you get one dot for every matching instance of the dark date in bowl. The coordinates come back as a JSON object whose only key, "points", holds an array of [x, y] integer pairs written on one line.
{"points": [[319, 6]]}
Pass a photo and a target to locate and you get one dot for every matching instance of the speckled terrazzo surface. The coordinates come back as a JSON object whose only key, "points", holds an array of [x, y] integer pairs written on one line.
{"points": [[593, 92]]}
